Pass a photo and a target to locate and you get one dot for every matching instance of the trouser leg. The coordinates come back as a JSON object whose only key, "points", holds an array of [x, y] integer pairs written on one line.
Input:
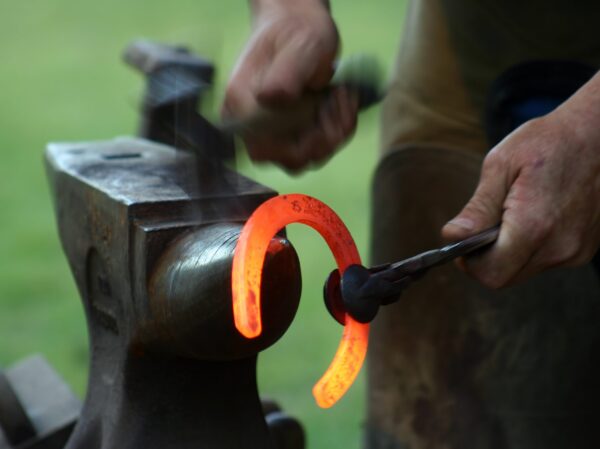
{"points": [[453, 365]]}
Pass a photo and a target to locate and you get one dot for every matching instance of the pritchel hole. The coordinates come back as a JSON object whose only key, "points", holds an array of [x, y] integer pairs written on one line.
{"points": [[122, 156]]}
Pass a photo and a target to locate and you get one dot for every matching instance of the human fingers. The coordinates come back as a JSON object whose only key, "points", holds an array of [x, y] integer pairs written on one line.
{"points": [[239, 100], [546, 218], [314, 145], [337, 120], [498, 265], [485, 207], [520, 237], [303, 62]]}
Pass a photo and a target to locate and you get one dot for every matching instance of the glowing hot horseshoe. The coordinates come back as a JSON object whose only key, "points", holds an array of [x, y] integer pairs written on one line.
{"points": [[250, 251]]}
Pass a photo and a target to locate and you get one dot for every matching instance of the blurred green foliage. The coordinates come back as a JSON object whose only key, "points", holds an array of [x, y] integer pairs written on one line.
{"points": [[61, 79]]}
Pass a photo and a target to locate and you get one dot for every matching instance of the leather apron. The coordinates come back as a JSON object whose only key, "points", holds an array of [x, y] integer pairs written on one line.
{"points": [[453, 365]]}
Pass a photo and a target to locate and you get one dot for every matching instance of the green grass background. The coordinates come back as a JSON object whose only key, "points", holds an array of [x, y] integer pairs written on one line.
{"points": [[61, 79]]}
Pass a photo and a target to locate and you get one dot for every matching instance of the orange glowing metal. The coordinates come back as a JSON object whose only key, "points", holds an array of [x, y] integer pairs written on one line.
{"points": [[264, 223]]}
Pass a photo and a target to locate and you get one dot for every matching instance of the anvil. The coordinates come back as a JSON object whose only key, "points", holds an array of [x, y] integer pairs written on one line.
{"points": [[151, 253]]}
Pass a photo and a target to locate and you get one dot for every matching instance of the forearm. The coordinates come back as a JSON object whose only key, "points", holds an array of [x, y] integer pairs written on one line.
{"points": [[258, 6]]}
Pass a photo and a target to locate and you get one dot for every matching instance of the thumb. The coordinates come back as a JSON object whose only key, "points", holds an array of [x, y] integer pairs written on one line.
{"points": [[485, 207]]}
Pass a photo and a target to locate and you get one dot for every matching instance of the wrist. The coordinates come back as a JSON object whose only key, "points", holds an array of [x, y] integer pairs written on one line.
{"points": [[260, 6]]}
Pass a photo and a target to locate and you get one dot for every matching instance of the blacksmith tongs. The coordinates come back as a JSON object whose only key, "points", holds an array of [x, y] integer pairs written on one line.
{"points": [[360, 290]]}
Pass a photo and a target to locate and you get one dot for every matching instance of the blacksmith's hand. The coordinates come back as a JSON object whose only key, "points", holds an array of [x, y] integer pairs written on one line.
{"points": [[542, 182], [290, 52]]}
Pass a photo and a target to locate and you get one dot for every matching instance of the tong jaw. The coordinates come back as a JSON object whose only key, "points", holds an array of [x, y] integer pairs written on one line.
{"points": [[361, 291]]}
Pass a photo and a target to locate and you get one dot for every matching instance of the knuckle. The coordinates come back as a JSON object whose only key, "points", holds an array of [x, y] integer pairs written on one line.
{"points": [[494, 162], [537, 229], [293, 161], [571, 249], [535, 125], [481, 206], [293, 167], [350, 126], [579, 256], [584, 257], [327, 148], [577, 261], [229, 99], [483, 271], [342, 137], [261, 150], [257, 156], [491, 161], [492, 280], [233, 101], [537, 234]]}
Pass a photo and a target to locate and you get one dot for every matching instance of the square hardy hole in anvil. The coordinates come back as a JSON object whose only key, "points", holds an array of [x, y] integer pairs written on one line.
{"points": [[122, 156], [143, 175]]}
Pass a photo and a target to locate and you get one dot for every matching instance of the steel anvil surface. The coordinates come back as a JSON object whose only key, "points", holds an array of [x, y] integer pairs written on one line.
{"points": [[151, 257]]}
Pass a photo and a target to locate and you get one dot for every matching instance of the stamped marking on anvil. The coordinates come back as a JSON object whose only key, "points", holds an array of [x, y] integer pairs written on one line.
{"points": [[104, 306]]}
